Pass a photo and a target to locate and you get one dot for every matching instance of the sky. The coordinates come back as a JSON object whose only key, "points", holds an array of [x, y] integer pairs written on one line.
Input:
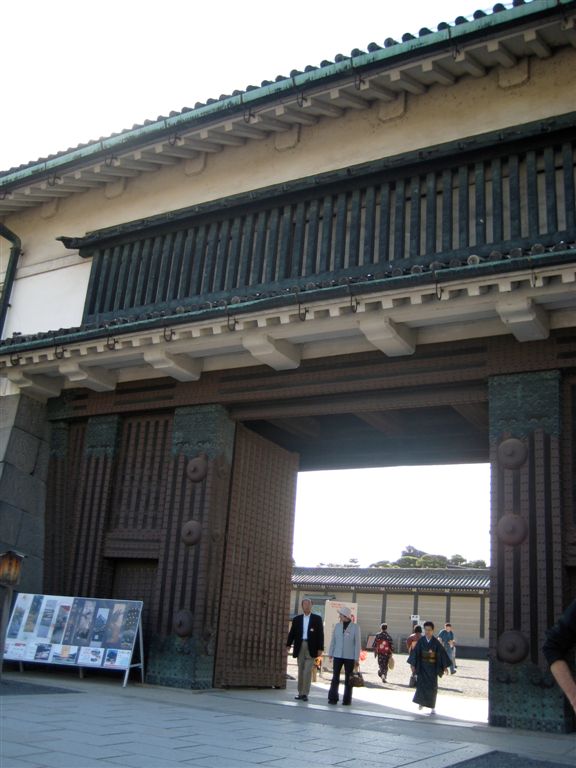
{"points": [[373, 514], [76, 70]]}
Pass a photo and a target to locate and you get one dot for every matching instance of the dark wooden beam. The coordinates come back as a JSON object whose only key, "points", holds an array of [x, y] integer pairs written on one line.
{"points": [[301, 427], [475, 414], [387, 423]]}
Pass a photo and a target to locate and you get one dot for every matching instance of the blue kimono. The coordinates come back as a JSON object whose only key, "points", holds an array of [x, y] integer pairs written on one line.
{"points": [[429, 660]]}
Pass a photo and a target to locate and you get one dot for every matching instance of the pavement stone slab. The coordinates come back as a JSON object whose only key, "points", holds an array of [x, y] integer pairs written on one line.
{"points": [[154, 727]]}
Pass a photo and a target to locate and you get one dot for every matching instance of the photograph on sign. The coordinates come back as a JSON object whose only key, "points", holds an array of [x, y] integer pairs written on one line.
{"points": [[86, 632]]}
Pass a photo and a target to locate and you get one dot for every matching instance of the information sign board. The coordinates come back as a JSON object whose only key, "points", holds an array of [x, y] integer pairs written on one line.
{"points": [[74, 631]]}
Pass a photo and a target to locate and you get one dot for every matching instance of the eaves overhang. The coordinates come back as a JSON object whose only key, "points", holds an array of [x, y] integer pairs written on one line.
{"points": [[300, 297], [527, 297], [352, 83]]}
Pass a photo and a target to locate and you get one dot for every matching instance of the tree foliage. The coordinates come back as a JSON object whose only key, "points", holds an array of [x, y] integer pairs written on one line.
{"points": [[417, 558]]}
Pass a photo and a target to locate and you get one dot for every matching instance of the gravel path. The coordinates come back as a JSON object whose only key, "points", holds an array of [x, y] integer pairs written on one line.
{"points": [[470, 680]]}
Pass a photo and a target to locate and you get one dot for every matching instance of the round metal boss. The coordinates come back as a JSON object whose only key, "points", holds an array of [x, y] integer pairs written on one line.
{"points": [[512, 646], [191, 532], [197, 468], [512, 529], [512, 453], [183, 623]]}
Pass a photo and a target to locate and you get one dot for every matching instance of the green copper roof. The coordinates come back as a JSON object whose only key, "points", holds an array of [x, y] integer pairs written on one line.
{"points": [[343, 66]]}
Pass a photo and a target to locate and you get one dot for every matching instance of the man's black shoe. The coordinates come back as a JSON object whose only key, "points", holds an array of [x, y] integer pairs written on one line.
{"points": [[304, 697], [299, 697]]}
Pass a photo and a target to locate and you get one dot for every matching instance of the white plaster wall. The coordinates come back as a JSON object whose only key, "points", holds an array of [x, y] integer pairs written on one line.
{"points": [[48, 300], [443, 114]]}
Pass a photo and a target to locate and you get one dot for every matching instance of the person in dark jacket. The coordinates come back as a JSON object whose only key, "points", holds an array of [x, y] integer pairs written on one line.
{"points": [[429, 661], [306, 637], [560, 640]]}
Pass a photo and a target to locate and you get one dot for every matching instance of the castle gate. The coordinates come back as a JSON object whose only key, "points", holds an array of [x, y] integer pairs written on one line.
{"points": [[367, 264]]}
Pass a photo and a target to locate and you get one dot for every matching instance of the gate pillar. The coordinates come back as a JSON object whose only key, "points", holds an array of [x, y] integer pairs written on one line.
{"points": [[527, 567], [23, 471], [191, 558]]}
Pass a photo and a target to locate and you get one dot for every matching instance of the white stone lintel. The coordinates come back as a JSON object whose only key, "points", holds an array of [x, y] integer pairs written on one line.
{"points": [[97, 379], [277, 353], [38, 386], [394, 339], [525, 319], [179, 367]]}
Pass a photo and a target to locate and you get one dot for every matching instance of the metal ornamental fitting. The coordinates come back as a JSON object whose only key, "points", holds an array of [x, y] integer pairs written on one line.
{"points": [[197, 469], [512, 646], [191, 532], [59, 349], [183, 623], [512, 529], [512, 453]]}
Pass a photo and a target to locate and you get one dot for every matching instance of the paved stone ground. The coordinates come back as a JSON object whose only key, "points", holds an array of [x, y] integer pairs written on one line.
{"points": [[20, 688], [504, 760], [145, 726]]}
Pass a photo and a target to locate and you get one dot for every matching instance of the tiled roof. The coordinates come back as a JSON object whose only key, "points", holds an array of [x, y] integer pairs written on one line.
{"points": [[396, 579], [297, 78]]}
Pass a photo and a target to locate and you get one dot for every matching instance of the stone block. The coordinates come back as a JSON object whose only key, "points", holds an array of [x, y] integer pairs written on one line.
{"points": [[21, 450], [8, 410], [10, 523], [21, 490], [42, 461], [32, 578], [5, 433], [31, 536], [31, 416]]}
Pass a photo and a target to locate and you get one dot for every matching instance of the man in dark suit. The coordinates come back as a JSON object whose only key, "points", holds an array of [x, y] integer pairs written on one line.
{"points": [[306, 637]]}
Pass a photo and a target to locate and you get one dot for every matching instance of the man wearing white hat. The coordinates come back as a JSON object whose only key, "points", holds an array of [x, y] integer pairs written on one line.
{"points": [[345, 648]]}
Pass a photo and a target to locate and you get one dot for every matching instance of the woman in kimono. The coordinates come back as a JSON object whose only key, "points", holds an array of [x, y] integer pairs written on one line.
{"points": [[383, 648], [345, 648], [429, 661]]}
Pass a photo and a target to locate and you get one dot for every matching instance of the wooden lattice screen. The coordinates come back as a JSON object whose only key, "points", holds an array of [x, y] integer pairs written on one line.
{"points": [[501, 197]]}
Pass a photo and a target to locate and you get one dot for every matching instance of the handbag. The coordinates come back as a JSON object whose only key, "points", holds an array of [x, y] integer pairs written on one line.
{"points": [[356, 680], [391, 662]]}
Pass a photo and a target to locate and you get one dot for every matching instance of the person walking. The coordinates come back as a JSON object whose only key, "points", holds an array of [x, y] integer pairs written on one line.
{"points": [[306, 636], [446, 637], [345, 648], [383, 647], [429, 661], [411, 642], [560, 640]]}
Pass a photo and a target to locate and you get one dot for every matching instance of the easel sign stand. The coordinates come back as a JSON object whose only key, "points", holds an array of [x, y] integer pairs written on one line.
{"points": [[82, 632]]}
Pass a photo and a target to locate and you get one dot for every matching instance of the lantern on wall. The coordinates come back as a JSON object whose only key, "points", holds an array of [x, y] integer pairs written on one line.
{"points": [[10, 567]]}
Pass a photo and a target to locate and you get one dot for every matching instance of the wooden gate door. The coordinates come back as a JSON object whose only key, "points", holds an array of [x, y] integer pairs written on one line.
{"points": [[254, 606]]}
